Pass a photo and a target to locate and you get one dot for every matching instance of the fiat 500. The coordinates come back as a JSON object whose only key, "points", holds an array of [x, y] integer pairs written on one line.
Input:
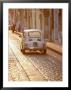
{"points": [[33, 40]]}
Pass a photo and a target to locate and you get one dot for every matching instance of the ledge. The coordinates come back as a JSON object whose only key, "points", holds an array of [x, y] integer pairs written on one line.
{"points": [[54, 47]]}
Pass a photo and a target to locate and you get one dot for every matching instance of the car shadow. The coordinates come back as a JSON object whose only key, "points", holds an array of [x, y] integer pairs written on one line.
{"points": [[33, 53]]}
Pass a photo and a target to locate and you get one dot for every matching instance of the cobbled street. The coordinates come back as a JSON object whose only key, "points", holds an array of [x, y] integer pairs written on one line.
{"points": [[31, 67]]}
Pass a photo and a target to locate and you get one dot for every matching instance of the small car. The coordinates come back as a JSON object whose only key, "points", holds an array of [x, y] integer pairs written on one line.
{"points": [[33, 40]]}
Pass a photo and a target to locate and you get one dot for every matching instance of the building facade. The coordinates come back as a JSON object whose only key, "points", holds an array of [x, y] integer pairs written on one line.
{"points": [[47, 20]]}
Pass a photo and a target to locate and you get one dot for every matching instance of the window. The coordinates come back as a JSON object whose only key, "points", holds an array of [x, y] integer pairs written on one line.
{"points": [[34, 34]]}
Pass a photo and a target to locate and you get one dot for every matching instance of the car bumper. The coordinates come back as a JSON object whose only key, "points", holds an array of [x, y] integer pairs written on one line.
{"points": [[34, 48]]}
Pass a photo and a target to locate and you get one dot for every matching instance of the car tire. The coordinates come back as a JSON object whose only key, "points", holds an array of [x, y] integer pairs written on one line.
{"points": [[44, 51], [21, 48]]}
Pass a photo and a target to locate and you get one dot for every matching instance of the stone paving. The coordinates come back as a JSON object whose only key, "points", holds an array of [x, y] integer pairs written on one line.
{"points": [[32, 72], [48, 66], [34, 66], [16, 72]]}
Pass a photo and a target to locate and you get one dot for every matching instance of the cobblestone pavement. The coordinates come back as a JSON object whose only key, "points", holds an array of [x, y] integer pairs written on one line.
{"points": [[16, 71], [47, 65], [31, 66]]}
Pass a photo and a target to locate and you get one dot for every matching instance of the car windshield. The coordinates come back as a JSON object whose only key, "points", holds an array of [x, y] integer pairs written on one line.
{"points": [[34, 34]]}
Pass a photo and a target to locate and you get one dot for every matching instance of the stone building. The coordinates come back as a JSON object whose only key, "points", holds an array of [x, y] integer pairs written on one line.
{"points": [[47, 20]]}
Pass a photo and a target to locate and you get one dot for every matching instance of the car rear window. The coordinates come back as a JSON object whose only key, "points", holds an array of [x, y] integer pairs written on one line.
{"points": [[34, 34]]}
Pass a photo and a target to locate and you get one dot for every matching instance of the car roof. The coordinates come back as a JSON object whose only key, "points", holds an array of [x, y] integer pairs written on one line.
{"points": [[27, 30]]}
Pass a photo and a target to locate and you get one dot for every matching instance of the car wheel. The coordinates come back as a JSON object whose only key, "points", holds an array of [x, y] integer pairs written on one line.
{"points": [[21, 48], [44, 51]]}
